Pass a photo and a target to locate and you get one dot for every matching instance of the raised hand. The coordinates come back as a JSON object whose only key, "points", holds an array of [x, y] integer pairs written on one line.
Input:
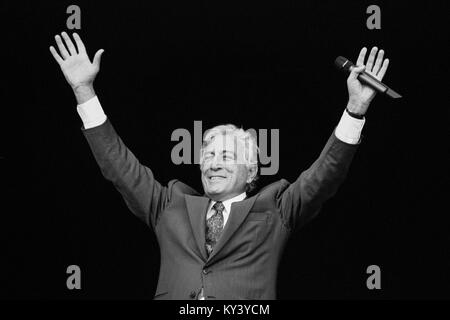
{"points": [[78, 70], [360, 95]]}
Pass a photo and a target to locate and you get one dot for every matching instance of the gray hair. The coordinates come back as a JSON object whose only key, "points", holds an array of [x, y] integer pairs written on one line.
{"points": [[248, 140]]}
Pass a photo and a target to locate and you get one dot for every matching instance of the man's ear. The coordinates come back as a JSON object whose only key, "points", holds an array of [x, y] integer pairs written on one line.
{"points": [[252, 171]]}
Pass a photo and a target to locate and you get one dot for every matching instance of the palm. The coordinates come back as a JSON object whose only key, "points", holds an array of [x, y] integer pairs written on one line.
{"points": [[364, 92], [76, 66], [78, 69]]}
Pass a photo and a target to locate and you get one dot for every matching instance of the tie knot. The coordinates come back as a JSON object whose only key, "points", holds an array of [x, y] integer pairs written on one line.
{"points": [[218, 206]]}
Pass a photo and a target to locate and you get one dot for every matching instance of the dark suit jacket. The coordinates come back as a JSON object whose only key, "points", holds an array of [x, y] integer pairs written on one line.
{"points": [[245, 260]]}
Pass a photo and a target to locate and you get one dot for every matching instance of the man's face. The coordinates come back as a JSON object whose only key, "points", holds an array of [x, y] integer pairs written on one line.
{"points": [[224, 173]]}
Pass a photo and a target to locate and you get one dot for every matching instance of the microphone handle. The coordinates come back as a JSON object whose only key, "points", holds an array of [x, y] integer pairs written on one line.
{"points": [[371, 81]]}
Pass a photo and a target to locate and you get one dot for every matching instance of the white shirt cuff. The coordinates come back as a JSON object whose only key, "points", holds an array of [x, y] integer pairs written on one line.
{"points": [[349, 129], [91, 113]]}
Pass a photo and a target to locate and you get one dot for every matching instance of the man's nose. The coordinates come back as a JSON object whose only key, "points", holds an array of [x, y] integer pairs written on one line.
{"points": [[216, 163]]}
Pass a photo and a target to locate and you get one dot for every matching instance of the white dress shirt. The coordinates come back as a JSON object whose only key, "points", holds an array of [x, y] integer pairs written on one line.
{"points": [[227, 205]]}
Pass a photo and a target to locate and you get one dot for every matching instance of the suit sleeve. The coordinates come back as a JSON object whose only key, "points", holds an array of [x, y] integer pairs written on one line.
{"points": [[302, 200], [143, 195]]}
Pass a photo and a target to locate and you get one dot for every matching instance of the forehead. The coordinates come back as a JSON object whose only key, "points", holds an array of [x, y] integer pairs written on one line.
{"points": [[225, 142]]}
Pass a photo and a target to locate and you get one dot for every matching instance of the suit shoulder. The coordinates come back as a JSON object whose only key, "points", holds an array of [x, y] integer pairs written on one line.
{"points": [[177, 187], [274, 188], [267, 197]]}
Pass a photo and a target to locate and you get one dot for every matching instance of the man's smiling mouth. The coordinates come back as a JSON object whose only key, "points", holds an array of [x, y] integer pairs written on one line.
{"points": [[215, 178]]}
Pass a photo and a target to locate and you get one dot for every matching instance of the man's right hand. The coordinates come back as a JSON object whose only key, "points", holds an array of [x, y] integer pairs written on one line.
{"points": [[78, 70]]}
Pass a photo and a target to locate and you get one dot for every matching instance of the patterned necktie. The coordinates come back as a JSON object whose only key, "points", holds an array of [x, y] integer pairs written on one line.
{"points": [[214, 226]]}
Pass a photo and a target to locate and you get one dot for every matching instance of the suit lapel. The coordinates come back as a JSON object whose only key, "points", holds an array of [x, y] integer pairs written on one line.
{"points": [[197, 207], [239, 211]]}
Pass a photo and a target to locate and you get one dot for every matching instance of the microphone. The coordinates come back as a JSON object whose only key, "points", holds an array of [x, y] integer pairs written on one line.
{"points": [[346, 65]]}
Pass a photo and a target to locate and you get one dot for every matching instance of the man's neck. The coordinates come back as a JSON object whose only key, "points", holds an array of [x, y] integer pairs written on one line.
{"points": [[233, 197]]}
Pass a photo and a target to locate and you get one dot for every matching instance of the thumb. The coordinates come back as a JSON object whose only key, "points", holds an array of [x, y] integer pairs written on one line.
{"points": [[98, 57], [355, 72]]}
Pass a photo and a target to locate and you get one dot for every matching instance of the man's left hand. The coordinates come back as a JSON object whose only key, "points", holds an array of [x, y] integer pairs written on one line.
{"points": [[360, 95]]}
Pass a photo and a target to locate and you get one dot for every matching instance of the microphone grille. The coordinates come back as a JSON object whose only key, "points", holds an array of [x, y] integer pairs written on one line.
{"points": [[343, 63]]}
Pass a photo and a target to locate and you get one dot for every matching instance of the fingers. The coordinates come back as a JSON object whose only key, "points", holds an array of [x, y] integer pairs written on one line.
{"points": [[56, 55], [69, 44], [61, 47], [371, 59], [361, 57], [80, 44], [64, 54], [377, 65], [383, 69], [97, 58]]}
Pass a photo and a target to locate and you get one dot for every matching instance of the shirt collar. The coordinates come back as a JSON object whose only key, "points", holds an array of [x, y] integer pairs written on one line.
{"points": [[227, 203]]}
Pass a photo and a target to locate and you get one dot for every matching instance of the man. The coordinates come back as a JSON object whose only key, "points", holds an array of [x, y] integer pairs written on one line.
{"points": [[223, 244]]}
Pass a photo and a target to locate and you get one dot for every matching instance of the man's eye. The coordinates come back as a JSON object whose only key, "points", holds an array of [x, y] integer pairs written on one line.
{"points": [[227, 157]]}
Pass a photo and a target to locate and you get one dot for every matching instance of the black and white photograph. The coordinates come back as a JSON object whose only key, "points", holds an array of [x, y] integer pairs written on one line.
{"points": [[214, 150]]}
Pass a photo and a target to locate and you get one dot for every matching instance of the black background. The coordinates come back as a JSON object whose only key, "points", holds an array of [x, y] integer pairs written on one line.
{"points": [[254, 64]]}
